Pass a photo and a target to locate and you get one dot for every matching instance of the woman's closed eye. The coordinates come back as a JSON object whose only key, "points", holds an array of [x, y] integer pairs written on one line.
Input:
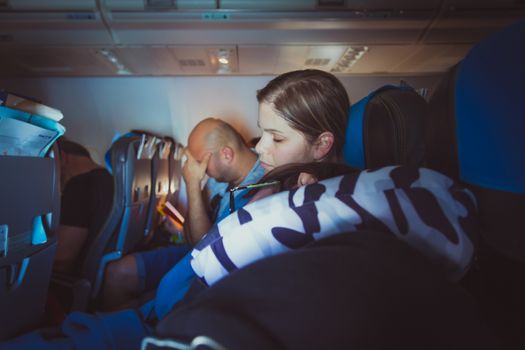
{"points": [[278, 138]]}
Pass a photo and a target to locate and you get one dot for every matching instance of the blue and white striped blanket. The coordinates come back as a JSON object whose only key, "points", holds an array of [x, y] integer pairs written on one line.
{"points": [[423, 208]]}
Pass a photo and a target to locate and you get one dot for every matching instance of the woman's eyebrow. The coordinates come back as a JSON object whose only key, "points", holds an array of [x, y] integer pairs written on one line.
{"points": [[275, 131], [268, 130]]}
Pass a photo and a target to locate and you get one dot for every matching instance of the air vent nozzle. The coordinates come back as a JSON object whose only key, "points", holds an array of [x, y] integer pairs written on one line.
{"points": [[190, 62], [317, 62]]}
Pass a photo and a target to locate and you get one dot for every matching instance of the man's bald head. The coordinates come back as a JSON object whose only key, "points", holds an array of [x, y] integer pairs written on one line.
{"points": [[210, 135], [227, 158]]}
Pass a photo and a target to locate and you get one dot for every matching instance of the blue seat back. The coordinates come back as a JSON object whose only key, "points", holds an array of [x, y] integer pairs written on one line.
{"points": [[490, 113], [477, 128], [126, 224]]}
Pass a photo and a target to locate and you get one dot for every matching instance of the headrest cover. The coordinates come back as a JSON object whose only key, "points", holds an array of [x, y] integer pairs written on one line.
{"points": [[490, 112], [353, 149], [386, 128]]}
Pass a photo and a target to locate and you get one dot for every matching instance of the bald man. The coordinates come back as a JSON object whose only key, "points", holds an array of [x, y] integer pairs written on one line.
{"points": [[214, 149]]}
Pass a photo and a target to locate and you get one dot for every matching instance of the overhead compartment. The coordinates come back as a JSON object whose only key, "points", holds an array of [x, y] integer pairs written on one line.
{"points": [[53, 29], [274, 5], [51, 5], [469, 21], [51, 23], [133, 5], [481, 4], [388, 4], [125, 5]]}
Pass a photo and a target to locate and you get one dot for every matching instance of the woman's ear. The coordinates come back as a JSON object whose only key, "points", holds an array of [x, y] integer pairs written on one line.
{"points": [[323, 145]]}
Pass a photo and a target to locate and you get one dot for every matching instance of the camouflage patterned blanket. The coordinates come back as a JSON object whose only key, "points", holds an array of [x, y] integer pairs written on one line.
{"points": [[425, 209]]}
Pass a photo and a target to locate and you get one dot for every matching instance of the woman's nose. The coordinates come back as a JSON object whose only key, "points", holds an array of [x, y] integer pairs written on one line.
{"points": [[260, 146]]}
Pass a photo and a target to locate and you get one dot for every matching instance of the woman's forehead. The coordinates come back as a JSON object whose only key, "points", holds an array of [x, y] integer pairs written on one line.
{"points": [[269, 120]]}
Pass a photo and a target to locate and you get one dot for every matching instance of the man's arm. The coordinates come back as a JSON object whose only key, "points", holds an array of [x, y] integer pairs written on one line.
{"points": [[198, 221], [70, 240]]}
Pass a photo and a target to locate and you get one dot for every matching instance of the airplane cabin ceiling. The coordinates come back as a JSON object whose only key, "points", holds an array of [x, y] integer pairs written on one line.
{"points": [[197, 37]]}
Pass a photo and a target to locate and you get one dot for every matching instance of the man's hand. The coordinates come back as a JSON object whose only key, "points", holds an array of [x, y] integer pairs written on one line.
{"points": [[198, 222], [194, 171]]}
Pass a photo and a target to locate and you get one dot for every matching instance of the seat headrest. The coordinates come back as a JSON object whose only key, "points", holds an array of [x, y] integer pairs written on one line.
{"points": [[490, 113], [386, 128]]}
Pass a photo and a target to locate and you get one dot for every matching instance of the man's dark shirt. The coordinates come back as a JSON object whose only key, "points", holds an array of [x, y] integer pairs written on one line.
{"points": [[86, 202]]}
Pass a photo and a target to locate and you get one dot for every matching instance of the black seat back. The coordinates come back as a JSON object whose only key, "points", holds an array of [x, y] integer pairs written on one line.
{"points": [[371, 290], [30, 194]]}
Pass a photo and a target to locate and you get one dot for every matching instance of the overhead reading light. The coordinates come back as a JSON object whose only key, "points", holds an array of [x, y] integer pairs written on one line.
{"points": [[112, 58], [222, 59], [349, 58]]}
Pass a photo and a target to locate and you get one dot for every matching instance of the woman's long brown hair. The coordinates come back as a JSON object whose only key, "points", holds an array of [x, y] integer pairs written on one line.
{"points": [[287, 175]]}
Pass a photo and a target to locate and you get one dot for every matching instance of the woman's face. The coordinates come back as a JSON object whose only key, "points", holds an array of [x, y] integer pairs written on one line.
{"points": [[280, 144]]}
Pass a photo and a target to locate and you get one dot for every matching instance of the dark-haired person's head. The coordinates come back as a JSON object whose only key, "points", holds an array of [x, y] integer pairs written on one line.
{"points": [[70, 147], [303, 116], [74, 160]]}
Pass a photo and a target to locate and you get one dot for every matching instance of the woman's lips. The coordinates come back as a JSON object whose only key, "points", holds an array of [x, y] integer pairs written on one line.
{"points": [[266, 166]]}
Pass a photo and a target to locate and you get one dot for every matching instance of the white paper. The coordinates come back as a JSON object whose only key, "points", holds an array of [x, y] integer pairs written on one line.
{"points": [[18, 138]]}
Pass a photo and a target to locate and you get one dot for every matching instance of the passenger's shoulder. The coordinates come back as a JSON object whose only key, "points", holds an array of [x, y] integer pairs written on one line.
{"points": [[215, 187], [98, 176]]}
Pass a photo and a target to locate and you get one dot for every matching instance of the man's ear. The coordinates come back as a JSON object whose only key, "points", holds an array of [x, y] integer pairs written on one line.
{"points": [[227, 153], [323, 145]]}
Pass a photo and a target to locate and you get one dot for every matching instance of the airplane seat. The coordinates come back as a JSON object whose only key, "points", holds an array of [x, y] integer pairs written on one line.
{"points": [[125, 226], [177, 192], [175, 170], [480, 138], [390, 126], [160, 184], [151, 214], [386, 128], [30, 210]]}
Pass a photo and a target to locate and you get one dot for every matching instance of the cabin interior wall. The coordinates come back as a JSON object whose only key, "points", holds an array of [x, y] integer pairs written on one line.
{"points": [[95, 109]]}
